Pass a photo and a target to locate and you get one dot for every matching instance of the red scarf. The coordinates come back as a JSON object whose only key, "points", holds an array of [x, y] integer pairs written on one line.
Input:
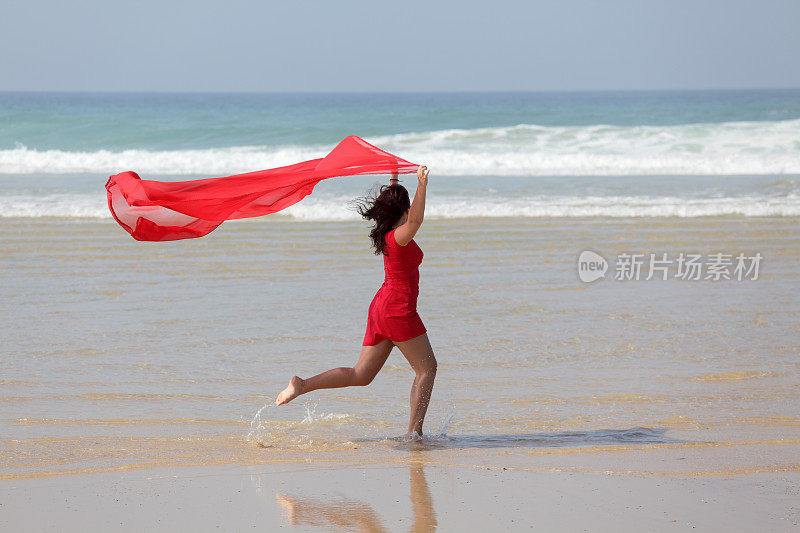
{"points": [[171, 210]]}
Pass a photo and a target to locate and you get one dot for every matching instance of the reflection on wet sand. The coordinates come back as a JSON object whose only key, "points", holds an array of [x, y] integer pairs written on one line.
{"points": [[340, 512], [357, 515], [421, 500]]}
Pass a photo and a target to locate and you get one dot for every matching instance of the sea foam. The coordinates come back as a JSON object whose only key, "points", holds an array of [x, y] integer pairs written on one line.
{"points": [[728, 148], [448, 207]]}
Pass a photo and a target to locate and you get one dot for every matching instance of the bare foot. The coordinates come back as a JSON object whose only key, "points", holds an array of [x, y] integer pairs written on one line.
{"points": [[412, 436], [291, 392]]}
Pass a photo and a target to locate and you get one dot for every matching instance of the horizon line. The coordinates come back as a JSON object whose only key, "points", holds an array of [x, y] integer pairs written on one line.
{"points": [[347, 92]]}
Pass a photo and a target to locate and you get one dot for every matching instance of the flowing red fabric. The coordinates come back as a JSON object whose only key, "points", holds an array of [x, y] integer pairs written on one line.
{"points": [[171, 210]]}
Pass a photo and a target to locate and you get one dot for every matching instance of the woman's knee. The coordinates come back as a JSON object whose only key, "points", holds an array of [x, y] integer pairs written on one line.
{"points": [[362, 378], [429, 367]]}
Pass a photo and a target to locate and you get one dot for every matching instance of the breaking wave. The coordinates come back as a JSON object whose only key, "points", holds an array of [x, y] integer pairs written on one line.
{"points": [[728, 148], [338, 207]]}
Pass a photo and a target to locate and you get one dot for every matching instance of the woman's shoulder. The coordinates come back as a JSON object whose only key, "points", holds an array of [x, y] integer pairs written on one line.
{"points": [[389, 238], [390, 242]]}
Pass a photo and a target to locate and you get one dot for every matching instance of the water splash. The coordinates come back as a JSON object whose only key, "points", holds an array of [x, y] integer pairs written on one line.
{"points": [[312, 416], [435, 438], [314, 429], [259, 432], [440, 435]]}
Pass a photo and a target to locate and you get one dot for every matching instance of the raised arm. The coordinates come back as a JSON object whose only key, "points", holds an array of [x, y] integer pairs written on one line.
{"points": [[403, 234]]}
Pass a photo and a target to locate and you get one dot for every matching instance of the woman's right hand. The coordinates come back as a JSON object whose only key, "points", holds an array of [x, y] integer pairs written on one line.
{"points": [[422, 174]]}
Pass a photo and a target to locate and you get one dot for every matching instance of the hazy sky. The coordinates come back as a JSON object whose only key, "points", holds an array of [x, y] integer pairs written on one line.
{"points": [[340, 45]]}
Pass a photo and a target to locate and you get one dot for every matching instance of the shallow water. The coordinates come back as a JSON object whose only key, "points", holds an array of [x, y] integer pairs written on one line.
{"points": [[125, 355]]}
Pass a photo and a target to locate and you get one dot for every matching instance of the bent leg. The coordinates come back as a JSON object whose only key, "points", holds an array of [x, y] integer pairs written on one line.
{"points": [[369, 364], [420, 356]]}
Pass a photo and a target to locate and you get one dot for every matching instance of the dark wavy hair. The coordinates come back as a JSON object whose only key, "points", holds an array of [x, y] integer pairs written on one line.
{"points": [[384, 206]]}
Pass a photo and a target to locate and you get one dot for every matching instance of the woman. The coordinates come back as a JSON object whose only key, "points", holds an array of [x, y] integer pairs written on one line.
{"points": [[392, 319]]}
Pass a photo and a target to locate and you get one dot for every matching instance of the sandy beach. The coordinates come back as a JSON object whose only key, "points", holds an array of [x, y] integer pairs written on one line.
{"points": [[134, 374]]}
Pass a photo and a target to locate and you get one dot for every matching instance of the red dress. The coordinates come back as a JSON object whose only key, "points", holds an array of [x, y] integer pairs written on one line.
{"points": [[393, 311]]}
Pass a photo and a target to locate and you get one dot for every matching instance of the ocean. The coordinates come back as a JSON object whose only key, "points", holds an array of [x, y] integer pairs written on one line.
{"points": [[507, 154], [120, 356]]}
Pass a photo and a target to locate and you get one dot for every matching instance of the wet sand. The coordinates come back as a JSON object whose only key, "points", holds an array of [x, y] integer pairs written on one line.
{"points": [[410, 495], [132, 374]]}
